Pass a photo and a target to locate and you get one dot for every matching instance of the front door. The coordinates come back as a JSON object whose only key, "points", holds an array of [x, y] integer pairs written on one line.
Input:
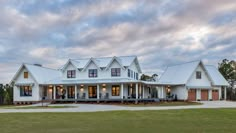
{"points": [[92, 90]]}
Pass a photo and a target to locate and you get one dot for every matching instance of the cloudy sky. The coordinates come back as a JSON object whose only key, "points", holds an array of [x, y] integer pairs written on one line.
{"points": [[159, 32]]}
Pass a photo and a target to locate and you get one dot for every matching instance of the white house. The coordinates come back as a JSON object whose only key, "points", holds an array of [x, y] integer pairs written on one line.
{"points": [[194, 81], [115, 79]]}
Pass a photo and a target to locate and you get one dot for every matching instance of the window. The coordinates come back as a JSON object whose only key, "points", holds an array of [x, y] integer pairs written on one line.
{"points": [[128, 72], [115, 72], [70, 92], [115, 90], [198, 75], [26, 75], [25, 91], [136, 76], [131, 73], [71, 74], [93, 73]]}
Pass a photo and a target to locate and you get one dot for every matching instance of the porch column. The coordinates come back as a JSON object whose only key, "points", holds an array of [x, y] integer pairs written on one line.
{"points": [[162, 92], [76, 92], [54, 92], [143, 92], [136, 90], [98, 93], [225, 89], [122, 91]]}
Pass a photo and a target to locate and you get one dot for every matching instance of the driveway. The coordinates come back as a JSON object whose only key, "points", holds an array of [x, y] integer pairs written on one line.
{"points": [[99, 107]]}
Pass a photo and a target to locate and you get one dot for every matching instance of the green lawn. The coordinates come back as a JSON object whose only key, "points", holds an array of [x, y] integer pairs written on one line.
{"points": [[34, 107], [166, 121], [176, 103]]}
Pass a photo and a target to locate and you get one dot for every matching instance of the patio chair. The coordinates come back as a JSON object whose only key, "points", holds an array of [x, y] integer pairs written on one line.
{"points": [[78, 96], [100, 95], [84, 96], [107, 96]]}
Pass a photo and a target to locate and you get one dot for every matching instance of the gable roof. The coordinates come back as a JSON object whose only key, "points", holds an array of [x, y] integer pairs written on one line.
{"points": [[103, 62], [178, 74], [115, 59], [216, 76], [91, 61], [40, 74]]}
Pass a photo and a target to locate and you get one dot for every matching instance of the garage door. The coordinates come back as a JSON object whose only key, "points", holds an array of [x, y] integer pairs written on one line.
{"points": [[215, 95], [192, 95], [204, 95]]}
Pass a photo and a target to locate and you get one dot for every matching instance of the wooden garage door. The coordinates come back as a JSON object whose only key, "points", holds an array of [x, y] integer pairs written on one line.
{"points": [[192, 95], [215, 95], [204, 95]]}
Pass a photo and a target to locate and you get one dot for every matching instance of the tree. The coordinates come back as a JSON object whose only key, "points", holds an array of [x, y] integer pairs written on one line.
{"points": [[1, 94], [154, 77], [7, 94], [228, 70], [149, 78], [7, 99]]}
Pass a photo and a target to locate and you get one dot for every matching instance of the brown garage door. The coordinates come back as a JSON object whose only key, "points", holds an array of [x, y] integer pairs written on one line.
{"points": [[192, 95], [215, 95], [204, 95]]}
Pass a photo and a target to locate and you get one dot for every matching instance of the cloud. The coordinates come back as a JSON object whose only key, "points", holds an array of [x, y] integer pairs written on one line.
{"points": [[160, 33]]}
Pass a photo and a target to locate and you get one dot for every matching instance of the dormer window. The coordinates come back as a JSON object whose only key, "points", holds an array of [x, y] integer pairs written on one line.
{"points": [[128, 72], [93, 73], [198, 75], [71, 73], [132, 74], [26, 75], [115, 72]]}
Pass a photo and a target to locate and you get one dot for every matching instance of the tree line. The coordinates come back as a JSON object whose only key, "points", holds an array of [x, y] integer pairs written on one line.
{"points": [[228, 69], [6, 94]]}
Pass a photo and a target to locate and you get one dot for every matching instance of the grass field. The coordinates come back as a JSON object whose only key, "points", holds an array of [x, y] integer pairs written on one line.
{"points": [[35, 107], [175, 103], [171, 121]]}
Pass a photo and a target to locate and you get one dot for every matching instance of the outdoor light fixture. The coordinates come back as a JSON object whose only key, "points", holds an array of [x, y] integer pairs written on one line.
{"points": [[103, 89], [82, 88]]}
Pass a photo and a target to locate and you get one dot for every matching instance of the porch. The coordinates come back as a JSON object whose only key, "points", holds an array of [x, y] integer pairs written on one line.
{"points": [[109, 92]]}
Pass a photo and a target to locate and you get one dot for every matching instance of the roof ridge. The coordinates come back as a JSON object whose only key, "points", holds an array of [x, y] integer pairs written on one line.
{"points": [[184, 63], [39, 66], [103, 57]]}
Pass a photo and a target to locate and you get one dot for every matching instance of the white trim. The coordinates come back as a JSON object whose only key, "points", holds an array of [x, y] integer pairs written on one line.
{"points": [[114, 58], [91, 60], [18, 72]]}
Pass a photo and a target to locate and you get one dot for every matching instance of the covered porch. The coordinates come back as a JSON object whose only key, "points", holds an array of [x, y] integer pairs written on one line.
{"points": [[102, 92]]}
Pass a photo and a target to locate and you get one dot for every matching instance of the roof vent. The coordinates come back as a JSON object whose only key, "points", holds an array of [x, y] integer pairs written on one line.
{"points": [[40, 65]]}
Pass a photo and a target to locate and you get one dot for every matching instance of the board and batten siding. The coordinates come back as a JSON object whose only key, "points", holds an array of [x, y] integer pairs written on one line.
{"points": [[102, 74], [204, 81], [180, 91], [35, 88]]}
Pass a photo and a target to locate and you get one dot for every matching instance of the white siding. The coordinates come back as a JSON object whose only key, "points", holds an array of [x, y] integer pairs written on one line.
{"points": [[204, 81], [134, 68], [180, 91], [102, 74], [35, 89], [70, 67], [198, 91]]}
